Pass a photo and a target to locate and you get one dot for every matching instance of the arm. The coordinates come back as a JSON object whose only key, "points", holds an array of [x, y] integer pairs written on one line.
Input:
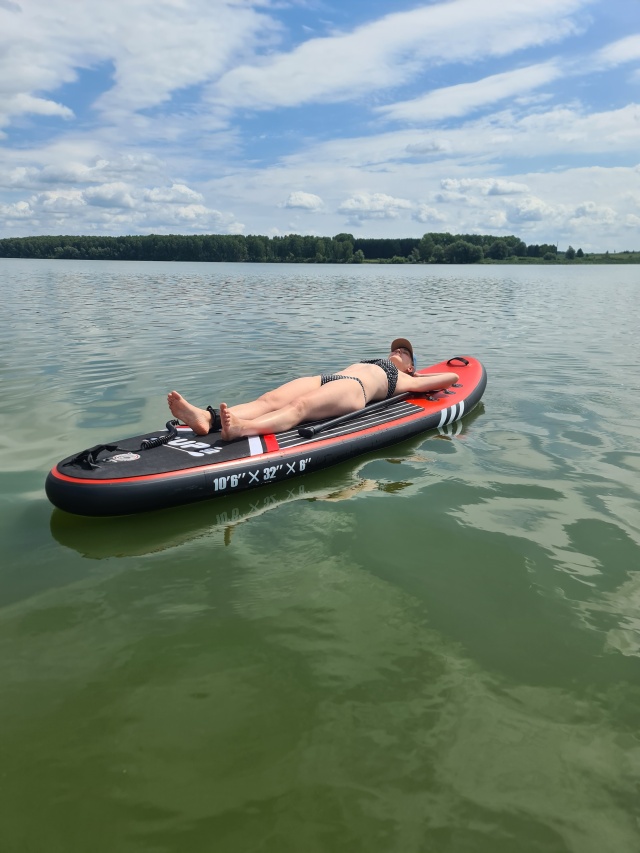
{"points": [[424, 383]]}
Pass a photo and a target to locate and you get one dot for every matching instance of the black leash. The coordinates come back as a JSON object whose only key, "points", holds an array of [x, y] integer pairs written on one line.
{"points": [[159, 440]]}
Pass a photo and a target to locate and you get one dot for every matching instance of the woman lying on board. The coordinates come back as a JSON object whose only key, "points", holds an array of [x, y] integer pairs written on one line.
{"points": [[312, 398]]}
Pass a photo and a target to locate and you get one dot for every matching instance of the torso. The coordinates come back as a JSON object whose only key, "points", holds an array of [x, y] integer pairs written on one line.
{"points": [[373, 377], [390, 371]]}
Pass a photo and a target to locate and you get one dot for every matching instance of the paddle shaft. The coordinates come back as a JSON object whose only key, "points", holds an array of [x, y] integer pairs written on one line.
{"points": [[310, 431]]}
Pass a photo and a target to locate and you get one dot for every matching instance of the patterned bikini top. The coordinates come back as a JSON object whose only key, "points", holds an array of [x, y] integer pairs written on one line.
{"points": [[389, 368]]}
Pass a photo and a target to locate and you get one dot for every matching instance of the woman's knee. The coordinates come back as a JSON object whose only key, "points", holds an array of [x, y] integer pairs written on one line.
{"points": [[271, 399], [301, 408]]}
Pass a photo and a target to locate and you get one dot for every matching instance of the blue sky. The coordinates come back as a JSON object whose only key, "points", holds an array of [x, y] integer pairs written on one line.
{"points": [[378, 118]]}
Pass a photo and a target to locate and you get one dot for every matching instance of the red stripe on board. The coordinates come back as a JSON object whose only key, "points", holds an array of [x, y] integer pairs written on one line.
{"points": [[270, 443]]}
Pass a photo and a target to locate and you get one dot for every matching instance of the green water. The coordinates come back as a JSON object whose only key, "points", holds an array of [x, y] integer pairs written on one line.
{"points": [[433, 649]]}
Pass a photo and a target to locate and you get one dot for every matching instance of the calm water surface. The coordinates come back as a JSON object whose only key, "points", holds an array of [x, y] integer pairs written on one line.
{"points": [[432, 649]]}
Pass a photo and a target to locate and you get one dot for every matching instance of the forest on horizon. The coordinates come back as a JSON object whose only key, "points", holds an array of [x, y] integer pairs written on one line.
{"points": [[431, 248]]}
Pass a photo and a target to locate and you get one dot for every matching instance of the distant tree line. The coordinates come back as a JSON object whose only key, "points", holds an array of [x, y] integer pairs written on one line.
{"points": [[432, 248]]}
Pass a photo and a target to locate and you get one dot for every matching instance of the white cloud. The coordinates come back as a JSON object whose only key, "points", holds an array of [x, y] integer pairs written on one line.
{"points": [[595, 213], [455, 101], [22, 103], [557, 132], [484, 186], [448, 197], [496, 220], [304, 201], [531, 209], [175, 194], [119, 208], [12, 213], [391, 50], [426, 214], [110, 195], [624, 50], [429, 146], [374, 206], [153, 48], [63, 169]]}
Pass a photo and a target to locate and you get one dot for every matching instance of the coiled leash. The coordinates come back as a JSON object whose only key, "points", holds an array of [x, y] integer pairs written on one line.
{"points": [[159, 440]]}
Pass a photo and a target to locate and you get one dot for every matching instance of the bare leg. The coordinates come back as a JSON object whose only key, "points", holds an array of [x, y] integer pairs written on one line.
{"points": [[271, 401], [198, 419], [330, 400]]}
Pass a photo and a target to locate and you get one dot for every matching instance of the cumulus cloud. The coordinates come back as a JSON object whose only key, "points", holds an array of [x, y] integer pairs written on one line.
{"points": [[455, 101], [495, 220], [596, 213], [13, 213], [374, 206], [118, 208], [175, 194], [304, 201], [530, 209], [133, 168], [424, 214], [484, 186], [110, 195], [450, 197]]}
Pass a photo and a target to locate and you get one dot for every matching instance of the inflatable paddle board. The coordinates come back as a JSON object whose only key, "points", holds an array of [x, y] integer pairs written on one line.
{"points": [[175, 466]]}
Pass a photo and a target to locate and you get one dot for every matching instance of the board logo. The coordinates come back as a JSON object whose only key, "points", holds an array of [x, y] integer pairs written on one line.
{"points": [[193, 448], [125, 457]]}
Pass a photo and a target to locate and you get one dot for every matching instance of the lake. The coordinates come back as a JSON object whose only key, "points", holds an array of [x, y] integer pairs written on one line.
{"points": [[432, 649]]}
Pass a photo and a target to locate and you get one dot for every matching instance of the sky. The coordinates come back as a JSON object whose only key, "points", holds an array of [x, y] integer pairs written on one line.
{"points": [[373, 117]]}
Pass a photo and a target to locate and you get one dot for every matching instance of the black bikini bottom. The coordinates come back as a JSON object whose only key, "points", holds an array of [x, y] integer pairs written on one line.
{"points": [[331, 377]]}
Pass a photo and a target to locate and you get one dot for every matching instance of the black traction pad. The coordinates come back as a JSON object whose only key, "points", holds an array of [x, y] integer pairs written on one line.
{"points": [[187, 450]]}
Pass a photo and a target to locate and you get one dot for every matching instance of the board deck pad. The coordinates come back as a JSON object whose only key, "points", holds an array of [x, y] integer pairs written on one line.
{"points": [[188, 450]]}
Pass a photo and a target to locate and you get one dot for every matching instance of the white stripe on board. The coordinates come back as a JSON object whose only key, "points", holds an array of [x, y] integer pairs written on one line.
{"points": [[454, 409], [255, 445]]}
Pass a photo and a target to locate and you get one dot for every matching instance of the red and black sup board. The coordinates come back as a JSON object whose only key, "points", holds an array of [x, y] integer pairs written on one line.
{"points": [[121, 478]]}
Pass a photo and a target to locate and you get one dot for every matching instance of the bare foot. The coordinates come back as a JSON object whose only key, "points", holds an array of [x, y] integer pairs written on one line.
{"points": [[231, 425], [198, 419]]}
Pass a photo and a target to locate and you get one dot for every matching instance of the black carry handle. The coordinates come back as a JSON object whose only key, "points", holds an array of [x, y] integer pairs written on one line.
{"points": [[310, 431], [461, 358], [89, 458]]}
